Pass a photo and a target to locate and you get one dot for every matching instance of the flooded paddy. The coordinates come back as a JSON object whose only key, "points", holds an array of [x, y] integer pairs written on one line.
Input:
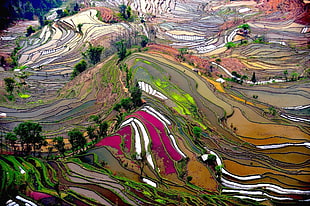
{"points": [[255, 132], [235, 168]]}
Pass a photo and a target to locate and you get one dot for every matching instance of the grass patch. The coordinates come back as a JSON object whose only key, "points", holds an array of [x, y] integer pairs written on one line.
{"points": [[24, 96]]}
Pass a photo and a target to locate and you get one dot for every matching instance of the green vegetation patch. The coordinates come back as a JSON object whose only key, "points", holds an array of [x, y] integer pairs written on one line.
{"points": [[24, 96]]}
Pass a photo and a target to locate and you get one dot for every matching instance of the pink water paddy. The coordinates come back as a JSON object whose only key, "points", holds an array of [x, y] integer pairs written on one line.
{"points": [[126, 133], [157, 146], [38, 195], [112, 141], [166, 140]]}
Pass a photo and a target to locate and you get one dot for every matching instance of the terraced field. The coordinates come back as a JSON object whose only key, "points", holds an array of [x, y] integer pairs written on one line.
{"points": [[202, 135]]}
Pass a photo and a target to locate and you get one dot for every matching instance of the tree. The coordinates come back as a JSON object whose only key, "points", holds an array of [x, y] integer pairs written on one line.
{"points": [[76, 7], [119, 119], [128, 12], [230, 45], [60, 13], [253, 79], [11, 138], [76, 139], [30, 30], [126, 103], [2, 61], [9, 84], [79, 26], [183, 51], [197, 132], [103, 128], [136, 94], [79, 68], [122, 11], [141, 160], [30, 134], [95, 118], [117, 107], [189, 178], [218, 60], [294, 76], [121, 49], [93, 53], [244, 26], [144, 40], [285, 74], [41, 20], [91, 133], [272, 111], [218, 171], [59, 144], [244, 77], [211, 158], [234, 73], [128, 74]]}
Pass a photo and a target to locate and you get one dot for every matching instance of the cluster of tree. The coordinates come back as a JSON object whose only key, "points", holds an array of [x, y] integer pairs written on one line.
{"points": [[14, 56], [121, 49], [294, 76], [29, 135], [9, 84], [238, 77], [197, 132], [24, 9], [131, 102], [182, 52], [78, 140], [30, 31], [260, 39], [92, 54], [71, 10], [123, 44], [125, 13], [124, 67], [230, 45], [245, 29]]}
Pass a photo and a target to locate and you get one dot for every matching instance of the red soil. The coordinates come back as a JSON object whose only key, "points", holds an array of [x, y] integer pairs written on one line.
{"points": [[198, 62], [232, 64], [106, 13], [296, 9]]}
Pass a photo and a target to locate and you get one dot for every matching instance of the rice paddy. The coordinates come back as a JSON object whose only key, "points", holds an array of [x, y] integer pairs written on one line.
{"points": [[205, 133]]}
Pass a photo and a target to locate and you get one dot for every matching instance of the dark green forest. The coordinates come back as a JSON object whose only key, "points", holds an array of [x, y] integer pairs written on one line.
{"points": [[24, 9]]}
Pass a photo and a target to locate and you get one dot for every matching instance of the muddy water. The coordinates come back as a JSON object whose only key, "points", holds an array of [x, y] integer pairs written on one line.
{"points": [[64, 184], [113, 164], [277, 179], [279, 100], [250, 113], [245, 170], [297, 149], [260, 131], [291, 157], [201, 174]]}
